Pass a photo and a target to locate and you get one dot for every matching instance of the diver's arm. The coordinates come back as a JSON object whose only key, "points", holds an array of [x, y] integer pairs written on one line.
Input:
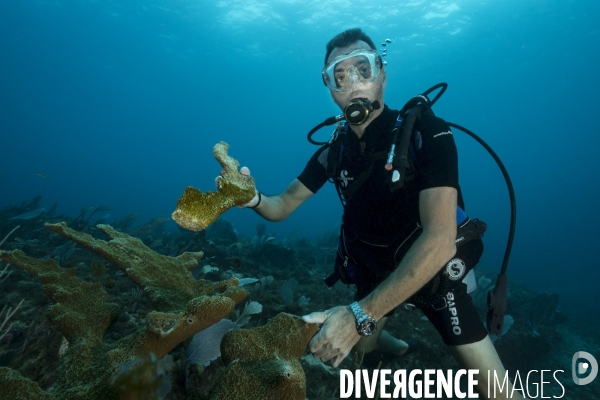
{"points": [[278, 208], [435, 246]]}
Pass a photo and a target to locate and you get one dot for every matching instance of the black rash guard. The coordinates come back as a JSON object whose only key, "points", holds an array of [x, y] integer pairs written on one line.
{"points": [[375, 210]]}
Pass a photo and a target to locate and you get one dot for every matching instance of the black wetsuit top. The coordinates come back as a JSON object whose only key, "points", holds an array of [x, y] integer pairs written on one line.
{"points": [[376, 212], [374, 209]]}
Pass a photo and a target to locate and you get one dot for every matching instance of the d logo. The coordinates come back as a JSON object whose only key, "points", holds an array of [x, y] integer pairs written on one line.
{"points": [[582, 367]]}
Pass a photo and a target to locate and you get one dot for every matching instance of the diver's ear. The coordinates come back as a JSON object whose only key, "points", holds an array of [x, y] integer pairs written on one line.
{"points": [[383, 80]]}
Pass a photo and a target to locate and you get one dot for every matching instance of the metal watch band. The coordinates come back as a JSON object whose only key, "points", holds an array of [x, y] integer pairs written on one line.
{"points": [[359, 314], [365, 325]]}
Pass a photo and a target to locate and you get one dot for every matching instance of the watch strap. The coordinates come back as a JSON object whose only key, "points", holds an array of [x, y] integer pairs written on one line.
{"points": [[359, 314]]}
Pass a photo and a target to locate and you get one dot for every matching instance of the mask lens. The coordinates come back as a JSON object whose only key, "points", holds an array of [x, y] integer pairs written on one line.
{"points": [[349, 70], [364, 68]]}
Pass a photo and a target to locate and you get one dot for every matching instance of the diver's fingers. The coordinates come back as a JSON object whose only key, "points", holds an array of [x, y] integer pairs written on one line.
{"points": [[245, 171], [336, 361], [315, 318]]}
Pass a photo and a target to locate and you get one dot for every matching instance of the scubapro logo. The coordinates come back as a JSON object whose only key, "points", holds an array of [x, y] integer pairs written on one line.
{"points": [[580, 368], [344, 178], [456, 269]]}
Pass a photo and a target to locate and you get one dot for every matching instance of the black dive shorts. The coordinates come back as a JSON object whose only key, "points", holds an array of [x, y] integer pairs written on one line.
{"points": [[456, 318]]}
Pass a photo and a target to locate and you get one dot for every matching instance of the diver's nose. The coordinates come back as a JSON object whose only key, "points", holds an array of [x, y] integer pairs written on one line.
{"points": [[353, 75], [352, 78]]}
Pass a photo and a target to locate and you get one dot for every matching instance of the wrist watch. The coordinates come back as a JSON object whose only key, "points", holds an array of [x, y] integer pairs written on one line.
{"points": [[365, 325]]}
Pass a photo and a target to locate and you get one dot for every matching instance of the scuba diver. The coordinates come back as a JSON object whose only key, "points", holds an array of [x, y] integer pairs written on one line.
{"points": [[404, 238]]}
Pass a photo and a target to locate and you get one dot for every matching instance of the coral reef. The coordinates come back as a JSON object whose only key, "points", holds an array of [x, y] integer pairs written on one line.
{"points": [[35, 350], [10, 311], [264, 363], [183, 307], [196, 210]]}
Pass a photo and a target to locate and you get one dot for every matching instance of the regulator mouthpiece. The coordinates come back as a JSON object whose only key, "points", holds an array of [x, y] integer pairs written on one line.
{"points": [[358, 111]]}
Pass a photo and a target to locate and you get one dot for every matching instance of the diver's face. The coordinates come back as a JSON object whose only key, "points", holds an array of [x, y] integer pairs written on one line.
{"points": [[369, 90]]}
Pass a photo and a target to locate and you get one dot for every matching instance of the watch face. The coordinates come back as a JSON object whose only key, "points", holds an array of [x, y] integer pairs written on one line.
{"points": [[367, 327]]}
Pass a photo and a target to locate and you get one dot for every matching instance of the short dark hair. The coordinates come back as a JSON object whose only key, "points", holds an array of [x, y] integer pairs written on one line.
{"points": [[346, 38]]}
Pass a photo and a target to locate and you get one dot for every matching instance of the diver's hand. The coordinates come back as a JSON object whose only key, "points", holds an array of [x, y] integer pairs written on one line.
{"points": [[255, 200], [337, 335]]}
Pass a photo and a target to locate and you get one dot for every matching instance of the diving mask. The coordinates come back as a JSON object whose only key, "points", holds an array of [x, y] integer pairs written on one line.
{"points": [[352, 70]]}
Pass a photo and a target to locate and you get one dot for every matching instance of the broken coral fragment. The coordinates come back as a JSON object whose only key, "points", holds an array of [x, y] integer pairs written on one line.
{"points": [[263, 363], [196, 210]]}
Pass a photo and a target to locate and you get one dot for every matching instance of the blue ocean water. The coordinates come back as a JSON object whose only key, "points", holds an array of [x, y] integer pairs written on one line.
{"points": [[119, 104]]}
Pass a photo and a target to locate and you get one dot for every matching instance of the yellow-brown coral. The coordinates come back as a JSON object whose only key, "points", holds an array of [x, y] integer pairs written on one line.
{"points": [[196, 210], [182, 306], [264, 362]]}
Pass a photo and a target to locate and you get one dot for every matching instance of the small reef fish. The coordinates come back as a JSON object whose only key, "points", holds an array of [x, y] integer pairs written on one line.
{"points": [[41, 175]]}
